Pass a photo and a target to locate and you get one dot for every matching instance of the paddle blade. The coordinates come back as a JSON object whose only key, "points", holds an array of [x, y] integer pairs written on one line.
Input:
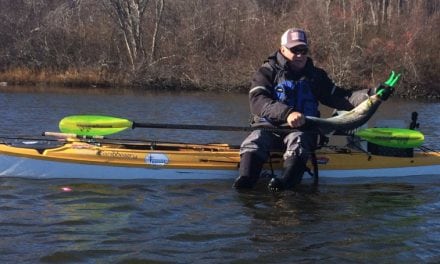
{"points": [[93, 125], [392, 137]]}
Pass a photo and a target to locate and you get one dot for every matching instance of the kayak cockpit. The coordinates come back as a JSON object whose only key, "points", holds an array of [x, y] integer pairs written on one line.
{"points": [[39, 145]]}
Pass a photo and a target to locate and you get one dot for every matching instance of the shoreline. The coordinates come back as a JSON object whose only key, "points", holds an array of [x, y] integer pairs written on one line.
{"points": [[93, 79]]}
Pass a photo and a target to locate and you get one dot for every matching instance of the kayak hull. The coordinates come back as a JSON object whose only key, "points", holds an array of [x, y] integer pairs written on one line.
{"points": [[122, 160]]}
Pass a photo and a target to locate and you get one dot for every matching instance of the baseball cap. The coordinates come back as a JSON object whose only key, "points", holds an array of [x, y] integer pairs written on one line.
{"points": [[293, 37]]}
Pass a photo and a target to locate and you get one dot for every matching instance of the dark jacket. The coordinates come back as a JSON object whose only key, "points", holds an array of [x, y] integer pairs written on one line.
{"points": [[263, 101]]}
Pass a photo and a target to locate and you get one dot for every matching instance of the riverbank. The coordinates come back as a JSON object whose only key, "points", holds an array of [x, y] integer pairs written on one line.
{"points": [[69, 78], [100, 78]]}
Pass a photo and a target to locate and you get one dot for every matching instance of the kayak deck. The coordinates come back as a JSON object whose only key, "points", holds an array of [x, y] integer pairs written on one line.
{"points": [[149, 154]]}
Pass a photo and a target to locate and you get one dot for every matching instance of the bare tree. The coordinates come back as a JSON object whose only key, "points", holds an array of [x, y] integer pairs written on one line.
{"points": [[211, 43], [159, 12], [128, 15]]}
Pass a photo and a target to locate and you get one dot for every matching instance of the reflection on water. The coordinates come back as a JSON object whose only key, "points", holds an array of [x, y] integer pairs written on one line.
{"points": [[375, 220]]}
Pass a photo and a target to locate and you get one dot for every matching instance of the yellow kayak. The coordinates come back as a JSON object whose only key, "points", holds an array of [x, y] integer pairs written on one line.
{"points": [[125, 159]]}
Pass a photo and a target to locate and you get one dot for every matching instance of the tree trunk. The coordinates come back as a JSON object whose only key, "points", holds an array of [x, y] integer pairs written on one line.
{"points": [[159, 11]]}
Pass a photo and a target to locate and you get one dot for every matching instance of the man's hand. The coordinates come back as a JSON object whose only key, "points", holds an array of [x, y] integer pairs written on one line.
{"points": [[296, 119]]}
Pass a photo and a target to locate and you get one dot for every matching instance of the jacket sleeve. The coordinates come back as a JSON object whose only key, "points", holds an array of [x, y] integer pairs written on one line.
{"points": [[329, 94], [262, 97]]}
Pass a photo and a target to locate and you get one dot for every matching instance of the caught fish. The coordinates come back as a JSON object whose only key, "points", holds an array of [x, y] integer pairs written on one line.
{"points": [[348, 120], [357, 116]]}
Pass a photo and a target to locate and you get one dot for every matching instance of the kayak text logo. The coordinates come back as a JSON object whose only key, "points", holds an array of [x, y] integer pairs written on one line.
{"points": [[117, 155]]}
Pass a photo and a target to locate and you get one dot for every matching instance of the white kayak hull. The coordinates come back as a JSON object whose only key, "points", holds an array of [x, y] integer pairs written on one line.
{"points": [[42, 169]]}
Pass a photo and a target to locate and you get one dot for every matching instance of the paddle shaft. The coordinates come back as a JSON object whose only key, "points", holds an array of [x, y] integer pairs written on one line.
{"points": [[209, 127], [390, 140]]}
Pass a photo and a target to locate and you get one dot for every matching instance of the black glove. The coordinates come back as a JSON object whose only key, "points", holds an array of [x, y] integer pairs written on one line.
{"points": [[387, 88], [384, 91]]}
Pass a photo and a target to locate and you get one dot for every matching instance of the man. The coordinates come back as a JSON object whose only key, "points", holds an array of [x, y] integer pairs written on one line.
{"points": [[285, 89]]}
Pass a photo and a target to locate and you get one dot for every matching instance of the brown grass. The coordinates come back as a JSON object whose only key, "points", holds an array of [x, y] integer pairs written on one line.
{"points": [[70, 77]]}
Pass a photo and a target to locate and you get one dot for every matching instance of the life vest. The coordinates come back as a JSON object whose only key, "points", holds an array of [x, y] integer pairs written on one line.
{"points": [[298, 95]]}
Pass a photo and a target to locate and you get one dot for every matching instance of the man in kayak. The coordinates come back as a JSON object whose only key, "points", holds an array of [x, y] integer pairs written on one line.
{"points": [[285, 89]]}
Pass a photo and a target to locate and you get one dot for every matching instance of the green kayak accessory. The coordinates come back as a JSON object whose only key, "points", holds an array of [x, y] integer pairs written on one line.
{"points": [[392, 137]]}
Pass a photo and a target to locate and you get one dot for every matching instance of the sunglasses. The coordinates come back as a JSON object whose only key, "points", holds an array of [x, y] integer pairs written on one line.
{"points": [[299, 50]]}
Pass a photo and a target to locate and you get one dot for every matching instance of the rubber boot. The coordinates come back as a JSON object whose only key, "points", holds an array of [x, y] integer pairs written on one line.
{"points": [[249, 171], [292, 175]]}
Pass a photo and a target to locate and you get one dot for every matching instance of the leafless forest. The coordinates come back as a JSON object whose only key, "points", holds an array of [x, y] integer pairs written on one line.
{"points": [[216, 44]]}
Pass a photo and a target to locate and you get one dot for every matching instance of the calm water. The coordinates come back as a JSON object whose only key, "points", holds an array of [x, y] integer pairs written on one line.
{"points": [[376, 220]]}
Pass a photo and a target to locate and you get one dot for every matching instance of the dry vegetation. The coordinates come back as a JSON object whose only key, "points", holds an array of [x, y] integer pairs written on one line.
{"points": [[215, 45]]}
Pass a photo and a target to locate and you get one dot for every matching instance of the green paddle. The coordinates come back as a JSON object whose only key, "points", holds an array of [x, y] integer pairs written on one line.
{"points": [[95, 125]]}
